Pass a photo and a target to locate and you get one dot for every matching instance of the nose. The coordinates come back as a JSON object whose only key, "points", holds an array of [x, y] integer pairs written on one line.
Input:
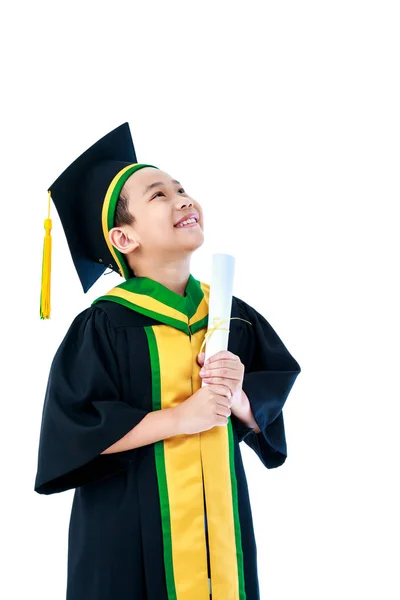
{"points": [[183, 202]]}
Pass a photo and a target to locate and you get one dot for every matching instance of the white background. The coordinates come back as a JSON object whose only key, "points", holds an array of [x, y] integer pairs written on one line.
{"points": [[282, 119]]}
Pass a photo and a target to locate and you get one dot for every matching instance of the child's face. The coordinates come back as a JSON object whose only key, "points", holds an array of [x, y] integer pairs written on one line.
{"points": [[157, 203]]}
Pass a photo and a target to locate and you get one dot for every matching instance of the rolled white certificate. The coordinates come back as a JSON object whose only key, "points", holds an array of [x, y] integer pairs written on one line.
{"points": [[220, 303]]}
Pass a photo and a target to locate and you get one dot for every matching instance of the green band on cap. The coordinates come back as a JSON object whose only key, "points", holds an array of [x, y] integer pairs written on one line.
{"points": [[108, 212]]}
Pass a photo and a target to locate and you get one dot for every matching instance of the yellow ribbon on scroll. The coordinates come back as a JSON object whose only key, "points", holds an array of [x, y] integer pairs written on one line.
{"points": [[217, 323]]}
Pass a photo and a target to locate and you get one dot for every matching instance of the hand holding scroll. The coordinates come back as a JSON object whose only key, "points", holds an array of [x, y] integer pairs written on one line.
{"points": [[207, 408], [224, 368]]}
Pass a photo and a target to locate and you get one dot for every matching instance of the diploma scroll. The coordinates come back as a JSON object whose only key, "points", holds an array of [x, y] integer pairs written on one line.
{"points": [[220, 304]]}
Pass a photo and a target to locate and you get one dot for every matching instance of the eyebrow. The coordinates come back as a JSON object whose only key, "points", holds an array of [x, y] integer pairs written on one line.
{"points": [[156, 184]]}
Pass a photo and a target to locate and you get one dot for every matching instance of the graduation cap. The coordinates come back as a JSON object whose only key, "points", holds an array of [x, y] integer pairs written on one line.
{"points": [[85, 196]]}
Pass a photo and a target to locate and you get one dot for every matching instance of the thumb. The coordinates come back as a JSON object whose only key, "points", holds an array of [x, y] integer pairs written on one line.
{"points": [[200, 358]]}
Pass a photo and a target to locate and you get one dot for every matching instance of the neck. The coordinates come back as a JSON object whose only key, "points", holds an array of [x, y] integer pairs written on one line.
{"points": [[173, 275]]}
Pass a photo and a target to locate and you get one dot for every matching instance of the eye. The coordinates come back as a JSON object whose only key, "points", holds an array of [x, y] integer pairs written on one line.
{"points": [[157, 194], [182, 190]]}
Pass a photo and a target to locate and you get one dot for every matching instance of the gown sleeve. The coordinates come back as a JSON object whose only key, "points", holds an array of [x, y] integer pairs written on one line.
{"points": [[270, 373], [83, 412]]}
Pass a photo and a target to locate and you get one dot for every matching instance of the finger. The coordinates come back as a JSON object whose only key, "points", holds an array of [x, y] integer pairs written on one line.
{"points": [[228, 374], [223, 411], [221, 421], [224, 364], [223, 354], [224, 401], [229, 383], [222, 391], [200, 358]]}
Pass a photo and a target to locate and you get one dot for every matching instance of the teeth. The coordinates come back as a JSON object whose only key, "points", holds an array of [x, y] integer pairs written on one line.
{"points": [[187, 222]]}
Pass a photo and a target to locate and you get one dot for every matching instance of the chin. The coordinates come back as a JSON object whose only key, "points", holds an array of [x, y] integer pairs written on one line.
{"points": [[197, 243]]}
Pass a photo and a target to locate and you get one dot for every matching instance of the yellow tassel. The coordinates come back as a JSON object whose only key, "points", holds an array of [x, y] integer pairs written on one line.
{"points": [[46, 267]]}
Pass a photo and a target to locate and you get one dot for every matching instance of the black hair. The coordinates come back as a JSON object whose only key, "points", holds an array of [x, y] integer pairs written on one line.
{"points": [[122, 215]]}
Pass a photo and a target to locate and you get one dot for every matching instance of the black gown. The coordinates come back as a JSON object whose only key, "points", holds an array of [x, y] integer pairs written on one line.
{"points": [[137, 521]]}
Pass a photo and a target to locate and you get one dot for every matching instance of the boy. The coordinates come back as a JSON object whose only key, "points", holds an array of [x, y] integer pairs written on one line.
{"points": [[126, 423]]}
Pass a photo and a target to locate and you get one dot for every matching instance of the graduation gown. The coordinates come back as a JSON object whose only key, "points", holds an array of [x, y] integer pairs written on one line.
{"points": [[137, 520]]}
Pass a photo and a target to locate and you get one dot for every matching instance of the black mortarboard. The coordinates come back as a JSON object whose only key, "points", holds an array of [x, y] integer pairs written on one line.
{"points": [[85, 196]]}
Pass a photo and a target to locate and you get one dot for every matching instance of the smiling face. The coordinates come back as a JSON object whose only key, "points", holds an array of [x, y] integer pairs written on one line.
{"points": [[167, 223]]}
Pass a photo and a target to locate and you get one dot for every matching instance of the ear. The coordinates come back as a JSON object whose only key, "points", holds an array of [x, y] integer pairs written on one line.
{"points": [[124, 241]]}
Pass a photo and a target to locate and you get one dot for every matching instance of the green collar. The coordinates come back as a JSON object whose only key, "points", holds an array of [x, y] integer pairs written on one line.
{"points": [[189, 313]]}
